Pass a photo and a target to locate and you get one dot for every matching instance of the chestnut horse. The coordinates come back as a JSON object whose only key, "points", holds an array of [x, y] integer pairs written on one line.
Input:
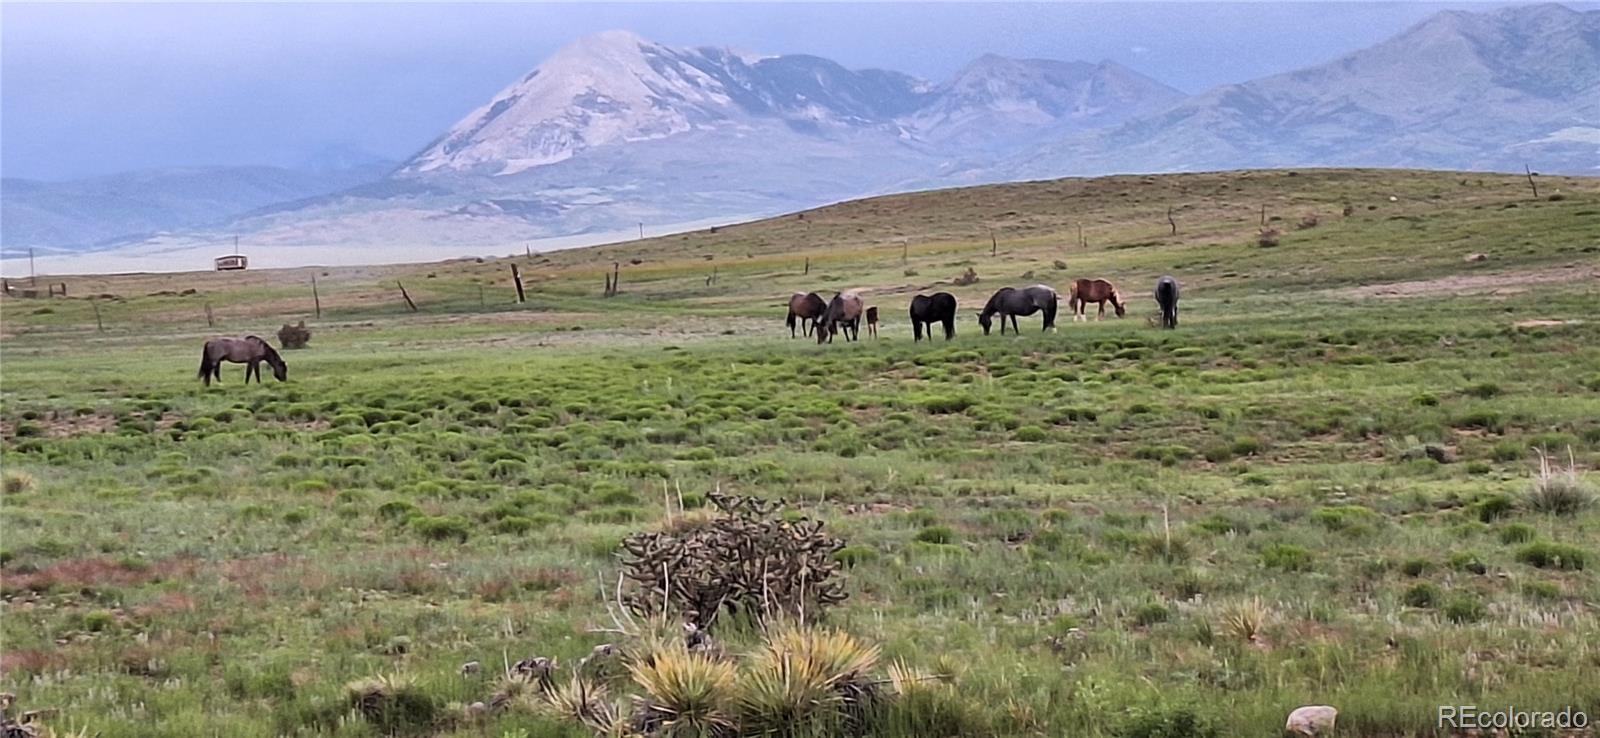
{"points": [[250, 351], [872, 322], [806, 306], [1085, 291], [845, 309]]}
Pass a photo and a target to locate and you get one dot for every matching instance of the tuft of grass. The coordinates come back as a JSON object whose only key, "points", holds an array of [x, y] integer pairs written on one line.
{"points": [[18, 482], [1557, 491]]}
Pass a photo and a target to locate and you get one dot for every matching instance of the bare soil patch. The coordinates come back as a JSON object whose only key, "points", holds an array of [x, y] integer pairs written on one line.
{"points": [[1492, 283]]}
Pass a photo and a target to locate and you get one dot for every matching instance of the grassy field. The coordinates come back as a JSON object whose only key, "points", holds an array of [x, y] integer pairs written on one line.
{"points": [[1319, 490]]}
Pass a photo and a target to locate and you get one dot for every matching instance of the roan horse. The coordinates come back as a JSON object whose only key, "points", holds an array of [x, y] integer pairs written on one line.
{"points": [[928, 309], [250, 351], [806, 306], [1167, 298], [1085, 291], [1010, 303], [845, 309]]}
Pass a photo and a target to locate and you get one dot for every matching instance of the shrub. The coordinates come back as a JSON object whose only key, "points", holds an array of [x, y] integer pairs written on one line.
{"points": [[1179, 722], [398, 510], [1151, 613], [1484, 390], [1421, 594], [1464, 608], [1547, 555], [946, 404], [441, 527], [936, 534], [1287, 557], [1268, 238], [1031, 434], [1493, 507], [1517, 533], [1415, 567], [1468, 561], [850, 556], [1547, 591], [1343, 517]]}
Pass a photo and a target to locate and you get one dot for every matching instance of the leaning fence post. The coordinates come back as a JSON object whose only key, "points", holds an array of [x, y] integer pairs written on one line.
{"points": [[209, 323], [404, 294], [516, 278], [99, 326], [316, 300]]}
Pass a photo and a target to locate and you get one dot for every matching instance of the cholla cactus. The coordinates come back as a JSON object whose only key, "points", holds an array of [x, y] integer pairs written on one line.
{"points": [[746, 559]]}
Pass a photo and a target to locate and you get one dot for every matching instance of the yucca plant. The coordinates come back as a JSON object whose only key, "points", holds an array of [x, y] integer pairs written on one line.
{"points": [[584, 701], [1245, 620], [687, 694], [804, 676], [391, 702]]}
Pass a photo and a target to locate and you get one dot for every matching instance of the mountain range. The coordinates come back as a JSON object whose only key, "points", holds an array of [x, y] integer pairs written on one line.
{"points": [[614, 130]]}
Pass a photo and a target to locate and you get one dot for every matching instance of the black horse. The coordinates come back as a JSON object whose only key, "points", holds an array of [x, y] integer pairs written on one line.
{"points": [[927, 309], [250, 351], [844, 310], [1167, 298], [1010, 303]]}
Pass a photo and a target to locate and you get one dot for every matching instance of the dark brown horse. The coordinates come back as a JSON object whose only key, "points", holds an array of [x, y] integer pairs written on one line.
{"points": [[940, 307], [1167, 298], [845, 309], [872, 322], [807, 307], [1085, 291], [1010, 302], [250, 351]]}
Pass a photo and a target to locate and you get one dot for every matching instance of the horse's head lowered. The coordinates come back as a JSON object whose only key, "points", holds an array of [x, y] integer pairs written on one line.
{"points": [[985, 321], [1117, 303], [280, 370]]}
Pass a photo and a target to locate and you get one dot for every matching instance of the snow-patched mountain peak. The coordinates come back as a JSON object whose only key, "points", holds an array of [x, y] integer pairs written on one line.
{"points": [[606, 88], [616, 87]]}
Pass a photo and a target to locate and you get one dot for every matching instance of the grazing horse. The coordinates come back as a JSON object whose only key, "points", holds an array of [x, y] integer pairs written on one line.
{"points": [[1085, 291], [250, 351], [872, 322], [1010, 303], [845, 310], [1167, 298], [926, 309], [806, 306]]}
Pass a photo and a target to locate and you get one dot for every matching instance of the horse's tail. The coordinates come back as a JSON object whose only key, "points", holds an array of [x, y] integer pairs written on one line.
{"points": [[206, 364], [789, 321]]}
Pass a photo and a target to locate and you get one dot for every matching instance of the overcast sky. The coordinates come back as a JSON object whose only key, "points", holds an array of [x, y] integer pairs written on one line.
{"points": [[94, 89]]}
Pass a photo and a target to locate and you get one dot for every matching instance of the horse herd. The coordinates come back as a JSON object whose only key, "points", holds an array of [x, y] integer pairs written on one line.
{"points": [[845, 311], [812, 315]]}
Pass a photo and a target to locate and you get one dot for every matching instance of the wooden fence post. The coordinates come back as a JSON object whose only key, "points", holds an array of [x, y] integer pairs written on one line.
{"points": [[209, 322], [404, 294], [516, 278], [808, 265], [99, 326], [1531, 183], [1172, 222], [480, 294], [994, 246], [316, 300]]}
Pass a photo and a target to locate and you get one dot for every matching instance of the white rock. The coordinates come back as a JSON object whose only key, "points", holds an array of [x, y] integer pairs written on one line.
{"points": [[1312, 720]]}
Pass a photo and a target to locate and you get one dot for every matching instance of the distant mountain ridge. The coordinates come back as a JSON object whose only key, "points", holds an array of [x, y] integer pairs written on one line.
{"points": [[614, 130]]}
